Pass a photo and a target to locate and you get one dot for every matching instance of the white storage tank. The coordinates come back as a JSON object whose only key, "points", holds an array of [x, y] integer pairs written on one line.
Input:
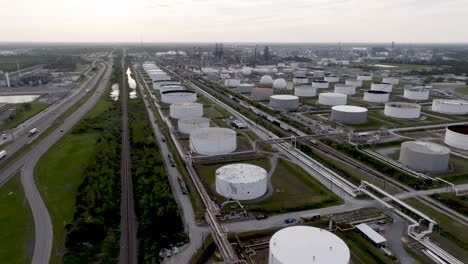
{"points": [[300, 74], [345, 89], [170, 87], [213, 141], [246, 71], [386, 87], [319, 74], [279, 85], [300, 80], [376, 96], [331, 78], [305, 91], [348, 114], [364, 77], [266, 81], [178, 96], [317, 84], [157, 84], [454, 107], [332, 99], [424, 156], [284, 101], [402, 110], [182, 110], [241, 181], [457, 136], [245, 87], [307, 245], [391, 80], [355, 83], [188, 124], [231, 83], [262, 94], [416, 93]]}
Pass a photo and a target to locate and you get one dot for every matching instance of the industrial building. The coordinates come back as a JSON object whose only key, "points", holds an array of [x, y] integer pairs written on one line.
{"points": [[424, 156], [241, 181], [332, 99], [305, 91], [386, 87], [375, 238], [284, 101], [376, 96], [345, 89], [453, 107], [306, 245], [213, 141], [188, 124], [402, 110], [318, 84], [178, 96], [416, 93], [457, 136], [348, 114], [181, 110]]}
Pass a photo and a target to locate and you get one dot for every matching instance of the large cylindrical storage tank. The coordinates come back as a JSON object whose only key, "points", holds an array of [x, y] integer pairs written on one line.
{"points": [[241, 181], [457, 136], [386, 87], [279, 85], [182, 110], [348, 114], [454, 107], [231, 83], [391, 80], [416, 93], [284, 101], [305, 91], [300, 80], [345, 89], [262, 94], [320, 84], [266, 81], [319, 74], [213, 141], [355, 83], [376, 96], [331, 78], [178, 96], [307, 245], [402, 110], [157, 84], [188, 124], [332, 99], [300, 74], [245, 87], [364, 77], [170, 87], [424, 156]]}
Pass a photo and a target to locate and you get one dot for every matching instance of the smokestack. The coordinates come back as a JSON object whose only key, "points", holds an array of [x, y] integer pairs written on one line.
{"points": [[7, 77]]}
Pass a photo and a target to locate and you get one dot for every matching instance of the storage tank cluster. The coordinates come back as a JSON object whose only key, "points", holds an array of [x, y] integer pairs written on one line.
{"points": [[453, 107], [284, 101], [305, 91], [457, 136], [402, 110], [305, 245], [178, 96], [318, 84], [356, 83], [424, 156], [154, 72], [213, 141], [386, 87], [345, 89], [348, 114], [241, 181], [181, 110], [332, 99], [376, 96], [416, 93]]}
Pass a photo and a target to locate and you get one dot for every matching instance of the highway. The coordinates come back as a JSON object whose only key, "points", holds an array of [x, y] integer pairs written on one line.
{"points": [[27, 162]]}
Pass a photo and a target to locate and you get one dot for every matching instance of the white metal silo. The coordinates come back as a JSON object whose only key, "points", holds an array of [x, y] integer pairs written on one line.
{"points": [[300, 80], [231, 83], [213, 141], [345, 89], [386, 87], [178, 96], [245, 87], [416, 93], [305, 91], [262, 94], [284, 101], [170, 87], [424, 156], [402, 110], [317, 84], [355, 83], [457, 136], [391, 80], [376, 96], [319, 74], [188, 124], [241, 181], [454, 107], [364, 77], [331, 78], [182, 110], [332, 99], [348, 114]]}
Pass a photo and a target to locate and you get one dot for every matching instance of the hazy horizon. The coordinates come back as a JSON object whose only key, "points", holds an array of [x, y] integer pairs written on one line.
{"points": [[241, 21]]}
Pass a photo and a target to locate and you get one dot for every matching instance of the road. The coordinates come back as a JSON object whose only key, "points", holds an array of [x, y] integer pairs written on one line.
{"points": [[42, 222]]}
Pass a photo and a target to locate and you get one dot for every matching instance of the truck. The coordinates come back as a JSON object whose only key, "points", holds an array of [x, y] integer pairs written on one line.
{"points": [[289, 220], [309, 218], [2, 154], [32, 131]]}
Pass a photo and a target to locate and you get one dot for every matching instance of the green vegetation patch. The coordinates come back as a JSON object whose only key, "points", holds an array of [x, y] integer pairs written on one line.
{"points": [[457, 203], [462, 90], [362, 251], [23, 112]]}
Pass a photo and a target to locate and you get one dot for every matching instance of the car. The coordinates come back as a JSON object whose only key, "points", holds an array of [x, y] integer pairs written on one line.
{"points": [[261, 217], [289, 220], [4, 136], [61, 130]]}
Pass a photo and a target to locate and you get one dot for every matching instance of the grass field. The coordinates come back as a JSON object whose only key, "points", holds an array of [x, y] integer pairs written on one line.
{"points": [[16, 224], [362, 251], [462, 90], [59, 173], [23, 114]]}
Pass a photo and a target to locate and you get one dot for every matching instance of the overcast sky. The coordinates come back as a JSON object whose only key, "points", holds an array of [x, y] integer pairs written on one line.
{"points": [[234, 20]]}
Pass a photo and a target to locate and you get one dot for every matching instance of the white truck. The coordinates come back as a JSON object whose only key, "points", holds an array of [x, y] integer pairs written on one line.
{"points": [[2, 154], [32, 131]]}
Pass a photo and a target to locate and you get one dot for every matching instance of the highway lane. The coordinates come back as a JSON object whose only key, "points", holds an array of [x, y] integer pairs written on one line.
{"points": [[43, 224]]}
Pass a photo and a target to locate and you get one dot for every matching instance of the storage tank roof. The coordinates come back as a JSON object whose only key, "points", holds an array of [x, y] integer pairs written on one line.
{"points": [[461, 129], [376, 92], [186, 105], [284, 97], [403, 105], [305, 245], [179, 92], [333, 95], [426, 147], [349, 108], [194, 120], [452, 102], [212, 132], [241, 173]]}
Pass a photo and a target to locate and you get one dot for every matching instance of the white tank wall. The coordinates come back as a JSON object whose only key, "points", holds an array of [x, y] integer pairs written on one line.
{"points": [[241, 181], [262, 94], [456, 139], [332, 99], [287, 102], [364, 77], [300, 80], [174, 98], [320, 85], [345, 89], [376, 98], [393, 110], [456, 107], [424, 156], [213, 141], [355, 83], [170, 88], [188, 124], [186, 110], [245, 88], [392, 80], [319, 74], [416, 94], [386, 87], [305, 91], [331, 79]]}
